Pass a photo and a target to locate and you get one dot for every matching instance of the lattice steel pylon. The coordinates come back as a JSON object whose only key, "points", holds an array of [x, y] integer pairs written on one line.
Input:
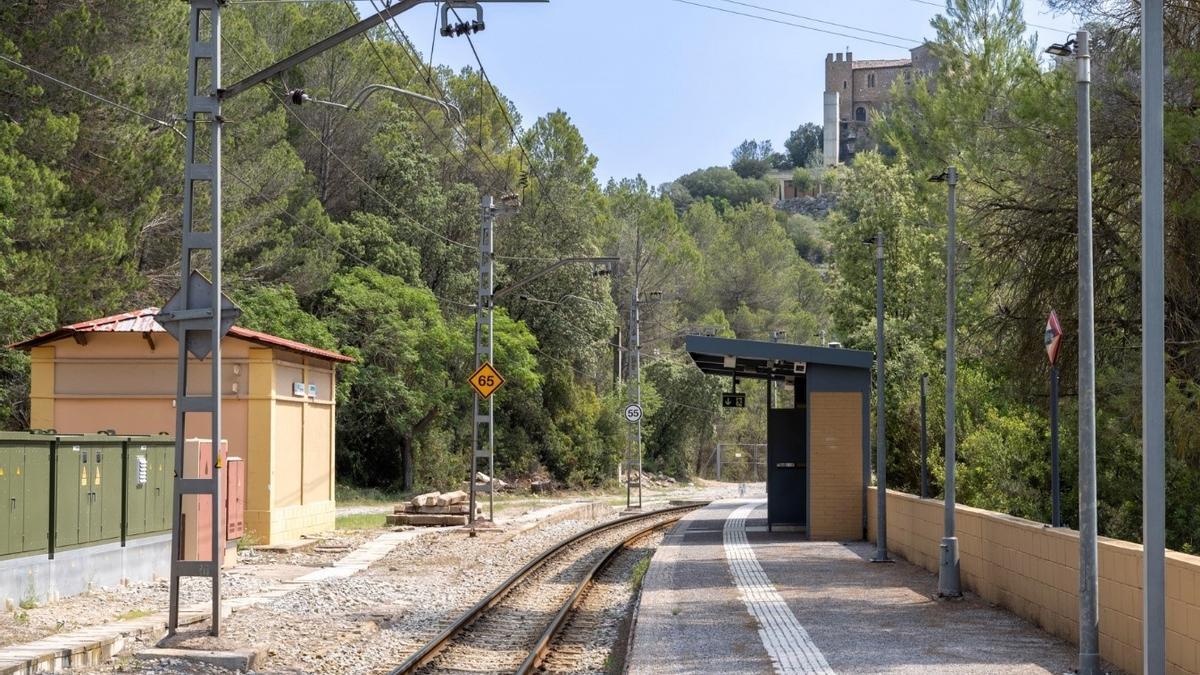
{"points": [[195, 319], [484, 351]]}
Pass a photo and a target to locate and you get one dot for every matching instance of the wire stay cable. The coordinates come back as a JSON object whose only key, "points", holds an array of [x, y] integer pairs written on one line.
{"points": [[68, 85]]}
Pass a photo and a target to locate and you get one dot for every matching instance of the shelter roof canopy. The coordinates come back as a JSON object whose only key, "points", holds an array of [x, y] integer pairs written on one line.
{"points": [[757, 359]]}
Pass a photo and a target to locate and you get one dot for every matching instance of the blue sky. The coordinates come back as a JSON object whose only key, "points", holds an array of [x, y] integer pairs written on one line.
{"points": [[660, 88]]}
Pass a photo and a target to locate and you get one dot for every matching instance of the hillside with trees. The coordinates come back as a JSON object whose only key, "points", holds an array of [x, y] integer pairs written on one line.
{"points": [[358, 232]]}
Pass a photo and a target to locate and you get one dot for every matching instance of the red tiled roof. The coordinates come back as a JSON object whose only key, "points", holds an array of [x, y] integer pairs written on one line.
{"points": [[142, 321]]}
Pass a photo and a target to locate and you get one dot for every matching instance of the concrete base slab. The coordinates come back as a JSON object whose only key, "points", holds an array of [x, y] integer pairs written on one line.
{"points": [[238, 659]]}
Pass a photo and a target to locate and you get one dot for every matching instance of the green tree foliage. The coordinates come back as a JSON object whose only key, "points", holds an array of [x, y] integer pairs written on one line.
{"points": [[752, 159], [721, 185], [358, 232], [805, 145], [989, 110]]}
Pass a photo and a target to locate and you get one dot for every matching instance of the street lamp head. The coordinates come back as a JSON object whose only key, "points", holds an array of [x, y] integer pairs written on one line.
{"points": [[1062, 49]]}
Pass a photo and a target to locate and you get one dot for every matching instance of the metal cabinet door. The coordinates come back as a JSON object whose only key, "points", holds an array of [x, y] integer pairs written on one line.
{"points": [[106, 486], [71, 486], [162, 481], [89, 526], [137, 487], [15, 504], [36, 498], [6, 452]]}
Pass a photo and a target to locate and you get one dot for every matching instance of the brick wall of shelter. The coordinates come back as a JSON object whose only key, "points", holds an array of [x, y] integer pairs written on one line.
{"points": [[835, 465], [1033, 571]]}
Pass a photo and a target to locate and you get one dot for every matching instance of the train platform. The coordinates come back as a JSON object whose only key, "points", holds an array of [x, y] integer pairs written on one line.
{"points": [[723, 595]]}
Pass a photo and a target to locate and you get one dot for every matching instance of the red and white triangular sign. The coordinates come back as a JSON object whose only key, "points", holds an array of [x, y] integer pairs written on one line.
{"points": [[1054, 333]]}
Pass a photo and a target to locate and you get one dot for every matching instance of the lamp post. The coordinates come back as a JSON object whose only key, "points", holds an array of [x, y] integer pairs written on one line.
{"points": [[949, 581], [1153, 342], [1089, 607], [924, 441], [881, 554]]}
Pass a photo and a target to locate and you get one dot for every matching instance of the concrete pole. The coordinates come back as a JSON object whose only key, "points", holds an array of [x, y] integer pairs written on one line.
{"points": [[924, 441], [1089, 607], [637, 358], [1153, 339], [881, 554], [949, 582]]}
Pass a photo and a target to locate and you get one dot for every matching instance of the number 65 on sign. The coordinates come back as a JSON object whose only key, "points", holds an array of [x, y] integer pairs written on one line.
{"points": [[486, 380]]}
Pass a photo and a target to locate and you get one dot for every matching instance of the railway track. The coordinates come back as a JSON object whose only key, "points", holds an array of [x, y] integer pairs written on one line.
{"points": [[512, 629]]}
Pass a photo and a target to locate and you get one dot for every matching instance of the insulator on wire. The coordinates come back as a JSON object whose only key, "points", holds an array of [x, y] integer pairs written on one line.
{"points": [[298, 96], [476, 26]]}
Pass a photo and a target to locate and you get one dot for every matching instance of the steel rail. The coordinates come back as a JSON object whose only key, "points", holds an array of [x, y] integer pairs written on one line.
{"points": [[434, 647], [542, 647]]}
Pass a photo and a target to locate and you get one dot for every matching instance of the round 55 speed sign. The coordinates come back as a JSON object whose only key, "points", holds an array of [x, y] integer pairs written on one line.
{"points": [[633, 412]]}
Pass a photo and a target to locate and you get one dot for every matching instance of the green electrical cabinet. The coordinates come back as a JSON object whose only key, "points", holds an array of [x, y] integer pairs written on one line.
{"points": [[71, 499], [24, 506], [37, 496], [164, 489], [149, 475], [137, 487], [100, 501]]}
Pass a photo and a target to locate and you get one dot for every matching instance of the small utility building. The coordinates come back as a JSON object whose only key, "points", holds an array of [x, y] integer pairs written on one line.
{"points": [[818, 434], [118, 373]]}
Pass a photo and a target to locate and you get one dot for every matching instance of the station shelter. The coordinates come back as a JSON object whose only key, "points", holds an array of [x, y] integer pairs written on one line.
{"points": [[818, 434], [117, 374]]}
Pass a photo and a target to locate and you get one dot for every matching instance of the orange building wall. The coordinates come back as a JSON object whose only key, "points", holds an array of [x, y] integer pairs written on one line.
{"points": [[117, 381]]}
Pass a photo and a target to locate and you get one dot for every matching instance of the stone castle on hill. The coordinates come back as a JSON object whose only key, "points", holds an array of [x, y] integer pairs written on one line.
{"points": [[853, 89]]}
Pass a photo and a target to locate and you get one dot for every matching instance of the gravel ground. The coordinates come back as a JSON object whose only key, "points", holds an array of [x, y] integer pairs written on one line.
{"points": [[104, 606], [370, 622], [362, 624], [254, 571]]}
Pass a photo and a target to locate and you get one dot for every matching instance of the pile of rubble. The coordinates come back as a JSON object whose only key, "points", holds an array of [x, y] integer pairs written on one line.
{"points": [[483, 483], [654, 480], [434, 508]]}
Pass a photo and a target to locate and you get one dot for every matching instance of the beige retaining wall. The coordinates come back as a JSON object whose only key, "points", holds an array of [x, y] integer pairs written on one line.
{"points": [[1033, 570]]}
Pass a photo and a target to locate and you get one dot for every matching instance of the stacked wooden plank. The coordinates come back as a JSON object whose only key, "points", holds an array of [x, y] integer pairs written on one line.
{"points": [[433, 508]]}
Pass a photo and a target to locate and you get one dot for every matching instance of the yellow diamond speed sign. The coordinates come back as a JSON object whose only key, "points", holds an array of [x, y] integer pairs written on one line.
{"points": [[486, 380]]}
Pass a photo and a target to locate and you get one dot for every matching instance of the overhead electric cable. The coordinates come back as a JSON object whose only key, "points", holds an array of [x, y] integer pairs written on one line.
{"points": [[942, 5], [321, 235], [236, 177], [508, 120], [403, 40], [458, 126], [789, 23], [815, 20], [349, 169]]}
